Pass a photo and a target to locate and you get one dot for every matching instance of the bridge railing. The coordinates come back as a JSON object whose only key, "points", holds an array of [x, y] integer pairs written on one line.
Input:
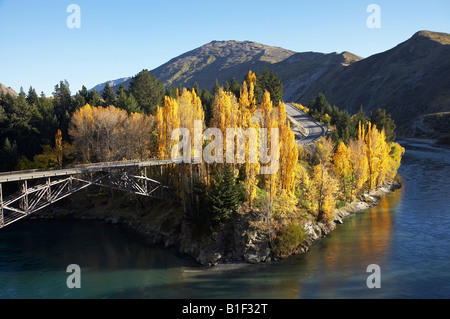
{"points": [[112, 164], [82, 168]]}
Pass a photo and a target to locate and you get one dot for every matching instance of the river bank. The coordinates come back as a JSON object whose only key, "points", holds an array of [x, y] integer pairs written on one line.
{"points": [[241, 241]]}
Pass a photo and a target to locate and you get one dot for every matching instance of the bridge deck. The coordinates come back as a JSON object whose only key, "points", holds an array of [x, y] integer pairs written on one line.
{"points": [[79, 169]]}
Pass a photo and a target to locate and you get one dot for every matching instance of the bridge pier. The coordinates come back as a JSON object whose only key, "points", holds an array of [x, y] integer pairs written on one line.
{"points": [[24, 201], [50, 186]]}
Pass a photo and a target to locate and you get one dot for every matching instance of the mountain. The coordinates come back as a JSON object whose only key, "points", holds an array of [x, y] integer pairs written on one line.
{"points": [[221, 60], [114, 84], [4, 89], [409, 80], [308, 72]]}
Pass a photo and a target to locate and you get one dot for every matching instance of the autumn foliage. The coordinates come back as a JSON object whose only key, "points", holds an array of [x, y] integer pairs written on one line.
{"points": [[110, 134], [313, 180]]}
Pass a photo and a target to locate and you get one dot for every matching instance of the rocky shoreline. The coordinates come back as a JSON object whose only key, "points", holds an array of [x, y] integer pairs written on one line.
{"points": [[243, 240]]}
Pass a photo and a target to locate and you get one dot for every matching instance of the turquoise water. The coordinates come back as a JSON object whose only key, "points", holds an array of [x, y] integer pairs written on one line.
{"points": [[406, 235]]}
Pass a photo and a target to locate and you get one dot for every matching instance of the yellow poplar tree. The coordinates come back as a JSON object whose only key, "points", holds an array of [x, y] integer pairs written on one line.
{"points": [[324, 193], [82, 132], [226, 113], [172, 119], [377, 156], [59, 148], [288, 152], [324, 185], [358, 162], [396, 154], [342, 167], [252, 167], [161, 133], [268, 122]]}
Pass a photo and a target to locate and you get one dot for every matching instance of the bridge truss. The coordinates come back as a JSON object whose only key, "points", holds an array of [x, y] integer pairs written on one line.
{"points": [[37, 191]]}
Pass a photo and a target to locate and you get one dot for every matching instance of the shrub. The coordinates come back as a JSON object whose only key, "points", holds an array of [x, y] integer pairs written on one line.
{"points": [[288, 238]]}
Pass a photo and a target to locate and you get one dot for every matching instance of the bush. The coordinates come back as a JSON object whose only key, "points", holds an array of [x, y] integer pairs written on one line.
{"points": [[288, 239]]}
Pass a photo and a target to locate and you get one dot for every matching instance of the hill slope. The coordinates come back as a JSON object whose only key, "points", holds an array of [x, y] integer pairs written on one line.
{"points": [[221, 60], [410, 80], [4, 90]]}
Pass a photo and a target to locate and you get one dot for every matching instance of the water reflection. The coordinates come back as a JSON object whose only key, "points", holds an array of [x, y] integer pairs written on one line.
{"points": [[341, 259], [406, 235]]}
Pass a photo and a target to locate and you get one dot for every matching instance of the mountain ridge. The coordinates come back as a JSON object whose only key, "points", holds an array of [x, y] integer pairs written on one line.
{"points": [[408, 80], [4, 89]]}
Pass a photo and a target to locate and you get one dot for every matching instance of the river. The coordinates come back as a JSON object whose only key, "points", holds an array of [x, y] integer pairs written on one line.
{"points": [[406, 235]]}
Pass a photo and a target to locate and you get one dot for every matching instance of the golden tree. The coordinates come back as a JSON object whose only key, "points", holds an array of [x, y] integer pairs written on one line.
{"points": [[171, 118], [81, 129], [324, 188], [378, 158], [396, 153], [288, 152], [358, 162], [138, 135], [324, 184], [161, 133], [59, 148], [342, 167], [252, 165], [268, 123]]}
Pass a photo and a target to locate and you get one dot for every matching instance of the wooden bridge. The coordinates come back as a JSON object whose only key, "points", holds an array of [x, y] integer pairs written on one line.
{"points": [[41, 188]]}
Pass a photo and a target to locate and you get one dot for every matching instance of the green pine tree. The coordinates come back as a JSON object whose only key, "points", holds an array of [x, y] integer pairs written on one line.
{"points": [[382, 120], [94, 98], [108, 96], [223, 196], [148, 91]]}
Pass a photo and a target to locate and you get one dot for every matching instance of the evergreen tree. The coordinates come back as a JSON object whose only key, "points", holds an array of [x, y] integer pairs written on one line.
{"points": [[32, 96], [319, 106], [223, 195], [108, 96], [84, 93], [94, 98], [196, 88], [226, 86], [3, 116], [120, 89], [216, 88], [235, 88], [8, 156], [275, 88], [208, 105], [171, 92], [49, 122], [132, 105], [127, 102], [383, 120], [79, 101], [358, 118], [198, 216], [63, 105], [148, 91]]}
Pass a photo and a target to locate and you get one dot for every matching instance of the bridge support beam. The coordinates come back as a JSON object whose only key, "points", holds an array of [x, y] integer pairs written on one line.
{"points": [[28, 200]]}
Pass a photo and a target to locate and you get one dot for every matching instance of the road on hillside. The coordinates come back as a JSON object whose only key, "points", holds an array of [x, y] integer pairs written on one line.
{"points": [[311, 130]]}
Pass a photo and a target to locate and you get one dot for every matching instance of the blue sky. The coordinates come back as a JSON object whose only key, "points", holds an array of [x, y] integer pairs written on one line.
{"points": [[120, 38]]}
